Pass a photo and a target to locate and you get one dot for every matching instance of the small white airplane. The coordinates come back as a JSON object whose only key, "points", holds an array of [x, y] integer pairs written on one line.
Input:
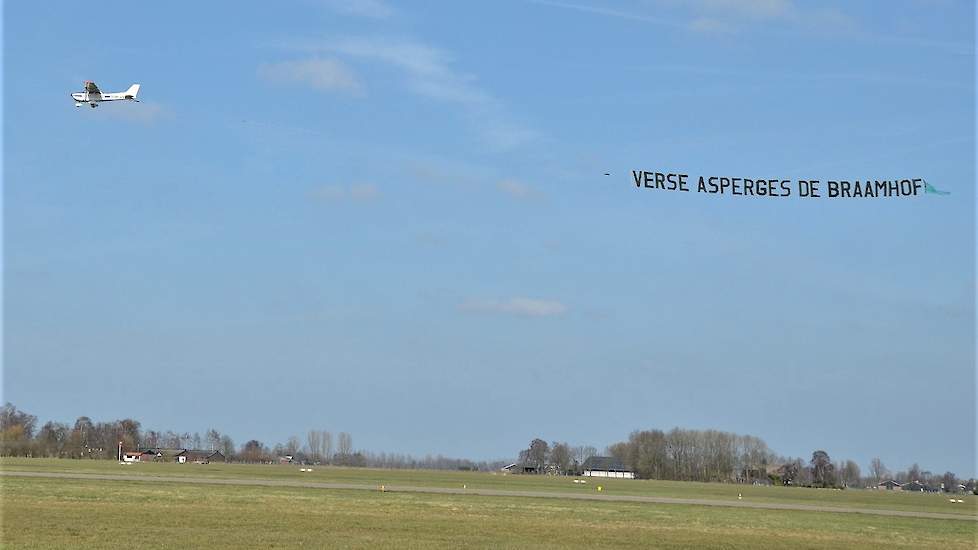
{"points": [[93, 96]]}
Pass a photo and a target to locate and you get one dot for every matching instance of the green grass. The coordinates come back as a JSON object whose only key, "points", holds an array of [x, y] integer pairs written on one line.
{"points": [[57, 513], [853, 498]]}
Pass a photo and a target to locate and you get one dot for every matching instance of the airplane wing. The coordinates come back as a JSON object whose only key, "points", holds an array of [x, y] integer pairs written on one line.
{"points": [[91, 88]]}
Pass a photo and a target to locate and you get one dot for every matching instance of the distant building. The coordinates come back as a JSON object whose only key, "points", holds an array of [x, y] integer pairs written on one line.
{"points": [[199, 456], [131, 456], [606, 466], [916, 486], [890, 485]]}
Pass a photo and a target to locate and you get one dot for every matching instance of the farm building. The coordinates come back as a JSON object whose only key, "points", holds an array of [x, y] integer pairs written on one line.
{"points": [[606, 466], [889, 485], [200, 456]]}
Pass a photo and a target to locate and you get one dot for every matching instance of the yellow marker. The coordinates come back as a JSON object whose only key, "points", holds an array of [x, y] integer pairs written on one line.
{"points": [[599, 487]]}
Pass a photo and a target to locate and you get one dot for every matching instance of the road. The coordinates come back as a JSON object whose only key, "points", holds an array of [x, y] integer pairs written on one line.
{"points": [[494, 493]]}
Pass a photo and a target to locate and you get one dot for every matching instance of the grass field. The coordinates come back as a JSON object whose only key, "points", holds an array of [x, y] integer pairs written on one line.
{"points": [[61, 513]]}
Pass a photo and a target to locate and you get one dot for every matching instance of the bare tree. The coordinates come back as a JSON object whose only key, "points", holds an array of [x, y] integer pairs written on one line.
{"points": [[213, 438], [293, 445], [914, 474], [326, 445], [226, 446], [850, 473], [344, 444], [877, 469], [313, 444], [584, 452], [950, 482]]}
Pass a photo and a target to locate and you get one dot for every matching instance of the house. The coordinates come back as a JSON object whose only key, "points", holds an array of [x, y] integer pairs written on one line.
{"points": [[147, 455], [199, 456], [517, 468], [606, 466], [914, 486], [172, 455], [131, 456], [890, 485]]}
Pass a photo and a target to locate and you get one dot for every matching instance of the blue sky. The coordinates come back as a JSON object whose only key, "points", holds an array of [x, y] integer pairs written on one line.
{"points": [[391, 219]]}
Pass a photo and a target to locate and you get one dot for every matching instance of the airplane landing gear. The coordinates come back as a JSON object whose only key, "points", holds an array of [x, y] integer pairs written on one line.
{"points": [[94, 105]]}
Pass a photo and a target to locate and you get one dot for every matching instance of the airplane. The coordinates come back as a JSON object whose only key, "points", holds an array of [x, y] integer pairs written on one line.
{"points": [[93, 96]]}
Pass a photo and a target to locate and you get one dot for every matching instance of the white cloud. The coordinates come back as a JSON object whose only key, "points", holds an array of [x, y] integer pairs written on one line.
{"points": [[355, 192], [427, 68], [524, 307], [321, 74], [429, 73], [363, 8]]}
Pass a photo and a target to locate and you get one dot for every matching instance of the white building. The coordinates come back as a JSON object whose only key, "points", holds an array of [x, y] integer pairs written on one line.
{"points": [[606, 466]]}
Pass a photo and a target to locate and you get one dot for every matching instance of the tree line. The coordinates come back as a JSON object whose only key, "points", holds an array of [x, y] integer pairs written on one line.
{"points": [[21, 436], [718, 456], [679, 454]]}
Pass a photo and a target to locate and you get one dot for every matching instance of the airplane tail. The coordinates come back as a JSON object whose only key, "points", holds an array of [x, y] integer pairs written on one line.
{"points": [[132, 91]]}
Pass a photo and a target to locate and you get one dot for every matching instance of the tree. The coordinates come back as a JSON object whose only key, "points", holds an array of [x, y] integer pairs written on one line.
{"points": [[326, 445], [877, 469], [344, 444], [253, 451], [850, 473], [213, 438], [52, 438], [790, 471], [16, 430], [822, 468], [226, 446], [536, 454], [584, 452], [80, 438], [292, 446], [313, 444], [151, 439], [950, 482], [646, 453], [560, 457], [128, 433], [914, 473]]}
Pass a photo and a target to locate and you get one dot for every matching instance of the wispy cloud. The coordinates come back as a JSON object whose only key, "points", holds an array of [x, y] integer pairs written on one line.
{"points": [[523, 307], [515, 188], [429, 72], [362, 8], [356, 192], [718, 16], [597, 10], [321, 74]]}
